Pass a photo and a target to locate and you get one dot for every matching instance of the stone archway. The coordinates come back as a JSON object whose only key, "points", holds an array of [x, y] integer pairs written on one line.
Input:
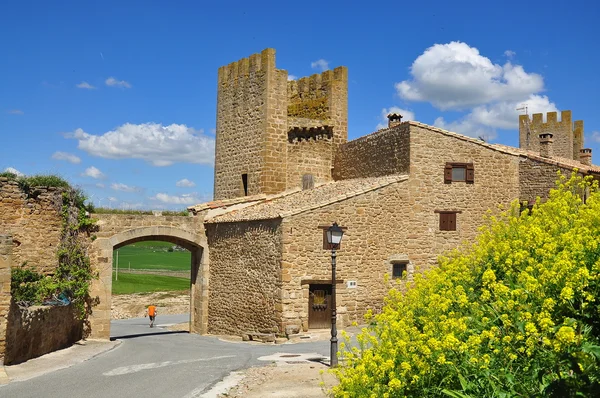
{"points": [[101, 259]]}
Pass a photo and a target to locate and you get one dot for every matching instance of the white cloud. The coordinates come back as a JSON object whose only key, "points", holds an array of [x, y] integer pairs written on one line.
{"points": [[85, 85], [100, 185], [292, 77], [188, 199], [152, 142], [112, 199], [14, 171], [595, 136], [185, 183], [93, 172], [15, 112], [124, 188], [483, 120], [66, 156], [406, 115], [466, 126], [509, 53], [456, 76], [320, 64], [504, 115], [111, 81]]}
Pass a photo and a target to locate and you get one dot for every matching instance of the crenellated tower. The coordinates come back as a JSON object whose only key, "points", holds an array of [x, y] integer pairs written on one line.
{"points": [[273, 133], [567, 136]]}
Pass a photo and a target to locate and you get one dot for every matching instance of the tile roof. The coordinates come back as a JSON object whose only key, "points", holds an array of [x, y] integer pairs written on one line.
{"points": [[298, 201], [558, 161]]}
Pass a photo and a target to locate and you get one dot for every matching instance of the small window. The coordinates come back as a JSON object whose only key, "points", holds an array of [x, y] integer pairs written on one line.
{"points": [[245, 183], [398, 270], [447, 221], [457, 172]]}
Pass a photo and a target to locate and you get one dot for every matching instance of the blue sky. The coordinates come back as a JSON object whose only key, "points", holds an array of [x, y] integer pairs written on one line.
{"points": [[119, 97]]}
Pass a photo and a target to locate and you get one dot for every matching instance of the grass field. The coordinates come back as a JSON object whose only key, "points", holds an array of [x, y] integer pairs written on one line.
{"points": [[143, 283], [152, 255]]}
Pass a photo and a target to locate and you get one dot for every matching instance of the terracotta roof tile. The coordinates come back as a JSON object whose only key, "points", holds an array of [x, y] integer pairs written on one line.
{"points": [[299, 201]]}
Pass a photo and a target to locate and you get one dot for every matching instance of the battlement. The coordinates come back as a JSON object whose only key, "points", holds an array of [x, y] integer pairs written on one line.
{"points": [[263, 61], [310, 97], [568, 136]]}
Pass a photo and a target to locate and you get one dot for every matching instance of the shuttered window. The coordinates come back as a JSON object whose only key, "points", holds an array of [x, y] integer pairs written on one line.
{"points": [[447, 220], [454, 172]]}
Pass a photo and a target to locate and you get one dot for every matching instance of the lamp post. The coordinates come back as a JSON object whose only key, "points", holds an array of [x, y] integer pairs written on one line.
{"points": [[334, 238]]}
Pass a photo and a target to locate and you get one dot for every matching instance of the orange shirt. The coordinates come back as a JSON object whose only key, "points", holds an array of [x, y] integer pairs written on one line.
{"points": [[151, 310]]}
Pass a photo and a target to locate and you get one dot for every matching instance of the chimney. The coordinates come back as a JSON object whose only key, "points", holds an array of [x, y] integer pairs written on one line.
{"points": [[394, 119], [585, 156], [546, 144]]}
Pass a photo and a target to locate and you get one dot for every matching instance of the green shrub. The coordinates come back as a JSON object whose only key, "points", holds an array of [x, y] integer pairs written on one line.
{"points": [[515, 315], [23, 284]]}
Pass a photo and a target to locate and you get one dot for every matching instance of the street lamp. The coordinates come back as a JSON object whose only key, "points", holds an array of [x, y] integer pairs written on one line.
{"points": [[334, 238]]}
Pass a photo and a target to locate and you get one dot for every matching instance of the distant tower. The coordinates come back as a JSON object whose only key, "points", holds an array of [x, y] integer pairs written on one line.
{"points": [[568, 137], [272, 132]]}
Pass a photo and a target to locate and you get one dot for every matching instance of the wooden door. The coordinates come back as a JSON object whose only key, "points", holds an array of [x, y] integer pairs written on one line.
{"points": [[319, 307]]}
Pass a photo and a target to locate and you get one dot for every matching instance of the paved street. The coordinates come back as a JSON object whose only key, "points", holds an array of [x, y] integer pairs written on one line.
{"points": [[154, 363]]}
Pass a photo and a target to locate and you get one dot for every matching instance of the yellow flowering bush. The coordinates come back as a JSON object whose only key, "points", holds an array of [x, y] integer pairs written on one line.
{"points": [[516, 314]]}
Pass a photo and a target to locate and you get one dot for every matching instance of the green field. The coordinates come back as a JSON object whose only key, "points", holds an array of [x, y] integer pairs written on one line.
{"points": [[144, 283], [152, 255]]}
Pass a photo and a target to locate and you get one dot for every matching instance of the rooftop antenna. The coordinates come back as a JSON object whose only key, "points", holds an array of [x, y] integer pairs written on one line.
{"points": [[525, 108]]}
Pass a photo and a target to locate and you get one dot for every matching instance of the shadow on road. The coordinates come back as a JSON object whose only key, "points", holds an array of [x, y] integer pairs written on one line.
{"points": [[133, 336]]}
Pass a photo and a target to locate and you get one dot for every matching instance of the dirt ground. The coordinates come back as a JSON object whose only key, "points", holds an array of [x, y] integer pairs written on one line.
{"points": [[281, 379], [126, 306]]}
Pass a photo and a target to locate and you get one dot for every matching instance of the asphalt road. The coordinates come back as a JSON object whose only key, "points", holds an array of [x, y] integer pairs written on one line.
{"points": [[154, 363]]}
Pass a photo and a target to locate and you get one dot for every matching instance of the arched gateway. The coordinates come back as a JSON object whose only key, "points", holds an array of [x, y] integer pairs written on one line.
{"points": [[117, 230]]}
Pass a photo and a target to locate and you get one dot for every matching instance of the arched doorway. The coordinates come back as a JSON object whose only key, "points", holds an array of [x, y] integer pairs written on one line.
{"points": [[102, 259]]}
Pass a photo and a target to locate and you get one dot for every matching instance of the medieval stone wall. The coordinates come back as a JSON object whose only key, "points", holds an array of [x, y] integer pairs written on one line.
{"points": [[376, 232], [496, 181], [536, 179], [381, 153], [111, 224], [242, 101], [568, 137], [5, 297], [312, 157], [245, 277], [38, 330], [34, 222]]}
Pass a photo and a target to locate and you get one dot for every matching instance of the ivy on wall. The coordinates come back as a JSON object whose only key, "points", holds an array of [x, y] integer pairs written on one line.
{"points": [[70, 282]]}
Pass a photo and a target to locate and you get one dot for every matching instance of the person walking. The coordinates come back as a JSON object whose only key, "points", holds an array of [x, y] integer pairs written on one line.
{"points": [[152, 312]]}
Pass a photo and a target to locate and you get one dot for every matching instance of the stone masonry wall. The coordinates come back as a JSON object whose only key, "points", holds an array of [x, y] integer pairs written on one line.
{"points": [[5, 297], [381, 153], [564, 141], [242, 99], [36, 331], [536, 179], [309, 157], [111, 224], [245, 277], [496, 181], [376, 231], [35, 224]]}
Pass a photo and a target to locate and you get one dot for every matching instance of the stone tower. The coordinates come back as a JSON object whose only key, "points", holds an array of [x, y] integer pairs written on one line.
{"points": [[272, 132], [567, 137]]}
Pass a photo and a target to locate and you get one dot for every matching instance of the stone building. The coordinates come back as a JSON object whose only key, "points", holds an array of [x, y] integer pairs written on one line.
{"points": [[406, 194]]}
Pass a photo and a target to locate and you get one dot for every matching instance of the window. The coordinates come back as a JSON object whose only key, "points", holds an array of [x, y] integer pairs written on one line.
{"points": [[245, 183], [456, 172], [398, 270], [447, 220]]}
